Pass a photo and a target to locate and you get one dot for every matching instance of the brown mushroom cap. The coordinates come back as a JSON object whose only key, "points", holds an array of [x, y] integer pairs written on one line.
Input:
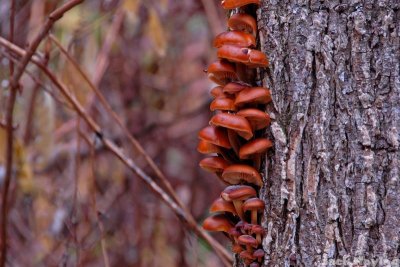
{"points": [[223, 103], [254, 147], [253, 204], [221, 205], [257, 229], [234, 87], [215, 135], [258, 254], [248, 240], [238, 192], [222, 72], [243, 22], [247, 255], [237, 38], [236, 248], [236, 123], [253, 95], [205, 147], [237, 173], [217, 223], [214, 164], [217, 91], [254, 264], [231, 4], [250, 57], [257, 118]]}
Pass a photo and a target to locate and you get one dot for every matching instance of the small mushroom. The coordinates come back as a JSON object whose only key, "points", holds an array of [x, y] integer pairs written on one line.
{"points": [[258, 230], [237, 194], [258, 254], [217, 223], [214, 164], [205, 147], [254, 264], [237, 123], [251, 57], [214, 135], [234, 87], [223, 103], [236, 248], [258, 119], [238, 173], [221, 205], [222, 72], [248, 241], [247, 256], [237, 38], [231, 4], [243, 22], [217, 91], [254, 205], [253, 95], [254, 150]]}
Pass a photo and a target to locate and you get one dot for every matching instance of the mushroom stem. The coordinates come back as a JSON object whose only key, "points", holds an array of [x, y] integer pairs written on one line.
{"points": [[238, 207], [257, 161], [254, 217], [258, 238]]}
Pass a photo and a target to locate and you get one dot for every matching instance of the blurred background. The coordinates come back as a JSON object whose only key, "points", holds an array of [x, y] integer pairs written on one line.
{"points": [[147, 58]]}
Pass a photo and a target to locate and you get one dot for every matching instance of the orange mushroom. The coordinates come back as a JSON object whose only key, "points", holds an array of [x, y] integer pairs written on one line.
{"points": [[221, 205], [217, 223], [222, 72], [236, 123], [238, 173], [254, 150], [250, 57], [231, 4], [248, 241], [215, 135], [258, 119], [254, 205], [237, 38], [223, 103], [205, 147], [214, 164], [253, 95], [234, 87], [243, 22], [217, 91], [237, 194]]}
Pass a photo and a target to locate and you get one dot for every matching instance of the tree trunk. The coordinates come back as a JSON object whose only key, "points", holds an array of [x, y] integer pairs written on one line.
{"points": [[332, 183]]}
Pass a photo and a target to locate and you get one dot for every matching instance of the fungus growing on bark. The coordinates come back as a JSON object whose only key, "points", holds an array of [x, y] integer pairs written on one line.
{"points": [[221, 205], [205, 147], [243, 22], [247, 256], [236, 123], [257, 230], [254, 205], [237, 38], [223, 103], [250, 57], [215, 135], [222, 72], [237, 194], [217, 223], [214, 164], [217, 91], [231, 4], [248, 241], [254, 150], [234, 87], [238, 173], [253, 95], [258, 254], [258, 119]]}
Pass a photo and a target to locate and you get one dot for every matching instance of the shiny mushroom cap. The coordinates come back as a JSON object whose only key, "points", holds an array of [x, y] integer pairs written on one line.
{"points": [[257, 229], [217, 91], [236, 123], [253, 95], [238, 173], [247, 255], [221, 205], [237, 38], [243, 22], [250, 57], [248, 240], [238, 192], [234, 87], [205, 147], [253, 204], [231, 4], [258, 254], [222, 72], [217, 223], [258, 119], [214, 135], [214, 164], [223, 103], [254, 147]]}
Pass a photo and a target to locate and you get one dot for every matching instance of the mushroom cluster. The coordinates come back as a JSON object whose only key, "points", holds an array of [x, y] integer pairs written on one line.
{"points": [[234, 139]]}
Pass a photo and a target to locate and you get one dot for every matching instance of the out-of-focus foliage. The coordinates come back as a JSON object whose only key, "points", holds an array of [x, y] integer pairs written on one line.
{"points": [[147, 58]]}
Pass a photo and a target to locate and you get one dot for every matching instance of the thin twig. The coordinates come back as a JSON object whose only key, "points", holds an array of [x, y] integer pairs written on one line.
{"points": [[182, 214], [9, 149]]}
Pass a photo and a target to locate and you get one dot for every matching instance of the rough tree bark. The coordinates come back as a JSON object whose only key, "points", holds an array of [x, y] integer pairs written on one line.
{"points": [[332, 183]]}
